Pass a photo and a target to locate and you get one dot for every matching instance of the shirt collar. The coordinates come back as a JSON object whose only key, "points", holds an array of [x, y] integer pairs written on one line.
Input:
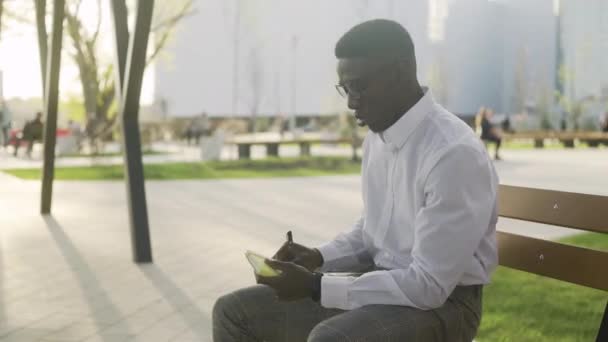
{"points": [[396, 135]]}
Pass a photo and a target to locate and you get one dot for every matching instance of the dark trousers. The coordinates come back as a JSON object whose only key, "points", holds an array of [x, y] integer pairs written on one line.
{"points": [[5, 136], [254, 314], [494, 140], [30, 145]]}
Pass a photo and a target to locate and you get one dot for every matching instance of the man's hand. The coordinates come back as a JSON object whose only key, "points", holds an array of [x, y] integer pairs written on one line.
{"points": [[310, 258], [295, 282]]}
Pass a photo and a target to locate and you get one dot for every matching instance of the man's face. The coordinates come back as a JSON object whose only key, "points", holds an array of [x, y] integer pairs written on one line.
{"points": [[369, 87]]}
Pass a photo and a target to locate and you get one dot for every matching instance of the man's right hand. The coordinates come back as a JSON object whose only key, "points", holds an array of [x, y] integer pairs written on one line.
{"points": [[310, 258]]}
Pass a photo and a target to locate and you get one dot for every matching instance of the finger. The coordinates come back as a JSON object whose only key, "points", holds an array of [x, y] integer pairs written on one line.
{"points": [[270, 281], [303, 263], [279, 265], [299, 261], [257, 278], [284, 253]]}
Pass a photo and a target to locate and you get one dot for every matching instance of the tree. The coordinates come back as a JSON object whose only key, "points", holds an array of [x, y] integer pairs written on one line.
{"points": [[256, 81], [1, 10], [11, 12], [96, 73], [521, 82], [544, 108]]}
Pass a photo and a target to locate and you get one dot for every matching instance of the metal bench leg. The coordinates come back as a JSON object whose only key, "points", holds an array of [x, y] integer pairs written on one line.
{"points": [[244, 151], [602, 334], [304, 149], [272, 150]]}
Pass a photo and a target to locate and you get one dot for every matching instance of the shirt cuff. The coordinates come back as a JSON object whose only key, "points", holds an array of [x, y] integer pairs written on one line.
{"points": [[334, 292]]}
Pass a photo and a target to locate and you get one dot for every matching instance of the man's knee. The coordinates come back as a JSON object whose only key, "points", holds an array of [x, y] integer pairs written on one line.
{"points": [[326, 333], [235, 304], [224, 307]]}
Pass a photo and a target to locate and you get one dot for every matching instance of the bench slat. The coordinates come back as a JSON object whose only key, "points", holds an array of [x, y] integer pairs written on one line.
{"points": [[566, 209], [576, 265]]}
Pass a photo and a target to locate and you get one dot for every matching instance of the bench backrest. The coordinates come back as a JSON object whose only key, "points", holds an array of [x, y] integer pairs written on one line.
{"points": [[576, 265]]}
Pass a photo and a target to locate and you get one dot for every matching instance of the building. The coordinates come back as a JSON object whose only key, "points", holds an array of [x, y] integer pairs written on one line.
{"points": [[584, 38], [472, 55], [272, 57], [279, 54], [499, 54]]}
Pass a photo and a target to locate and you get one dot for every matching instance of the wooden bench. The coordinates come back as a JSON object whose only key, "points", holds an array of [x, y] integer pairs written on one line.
{"points": [[594, 139], [272, 145], [572, 264]]}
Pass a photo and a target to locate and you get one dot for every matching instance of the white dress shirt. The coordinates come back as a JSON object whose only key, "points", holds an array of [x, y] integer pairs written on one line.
{"points": [[429, 218]]}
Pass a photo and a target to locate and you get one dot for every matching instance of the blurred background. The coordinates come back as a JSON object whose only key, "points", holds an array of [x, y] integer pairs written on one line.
{"points": [[259, 66], [245, 89]]}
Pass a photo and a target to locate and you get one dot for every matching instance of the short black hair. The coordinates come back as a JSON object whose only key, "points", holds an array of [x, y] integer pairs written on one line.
{"points": [[376, 38]]}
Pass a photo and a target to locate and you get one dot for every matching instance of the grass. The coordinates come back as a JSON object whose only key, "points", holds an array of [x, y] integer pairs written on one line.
{"points": [[106, 154], [524, 307], [272, 167]]}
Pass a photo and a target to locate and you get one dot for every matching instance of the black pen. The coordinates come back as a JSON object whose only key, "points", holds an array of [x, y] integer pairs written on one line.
{"points": [[289, 237]]}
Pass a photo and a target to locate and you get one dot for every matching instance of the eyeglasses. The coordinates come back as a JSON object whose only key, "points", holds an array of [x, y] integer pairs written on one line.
{"points": [[358, 86], [355, 87]]}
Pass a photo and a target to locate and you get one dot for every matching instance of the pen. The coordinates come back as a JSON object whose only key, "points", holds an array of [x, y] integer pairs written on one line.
{"points": [[289, 237]]}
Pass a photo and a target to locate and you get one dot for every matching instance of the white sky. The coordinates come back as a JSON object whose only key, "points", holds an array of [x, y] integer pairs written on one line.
{"points": [[19, 56]]}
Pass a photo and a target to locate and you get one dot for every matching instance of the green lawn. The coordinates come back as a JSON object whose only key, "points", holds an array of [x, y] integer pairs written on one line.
{"points": [[523, 307], [106, 154], [272, 167]]}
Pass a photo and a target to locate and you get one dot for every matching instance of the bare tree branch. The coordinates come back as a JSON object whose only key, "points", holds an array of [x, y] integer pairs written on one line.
{"points": [[160, 43], [185, 11], [77, 7], [169, 23], [1, 10], [98, 26]]}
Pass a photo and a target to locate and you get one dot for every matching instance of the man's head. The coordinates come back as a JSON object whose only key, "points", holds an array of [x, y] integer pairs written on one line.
{"points": [[377, 71], [38, 116]]}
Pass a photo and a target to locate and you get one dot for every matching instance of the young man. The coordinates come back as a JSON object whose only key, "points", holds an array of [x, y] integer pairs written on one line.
{"points": [[32, 131], [426, 236]]}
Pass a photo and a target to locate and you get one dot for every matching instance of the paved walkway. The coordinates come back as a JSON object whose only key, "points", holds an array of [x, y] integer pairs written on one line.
{"points": [[69, 277]]}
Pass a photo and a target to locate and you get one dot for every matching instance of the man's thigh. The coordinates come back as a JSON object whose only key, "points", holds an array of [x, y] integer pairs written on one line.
{"points": [[456, 320], [272, 320]]}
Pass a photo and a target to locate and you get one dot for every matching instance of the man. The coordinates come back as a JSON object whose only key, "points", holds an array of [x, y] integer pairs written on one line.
{"points": [[426, 235], [489, 133], [32, 131], [5, 123]]}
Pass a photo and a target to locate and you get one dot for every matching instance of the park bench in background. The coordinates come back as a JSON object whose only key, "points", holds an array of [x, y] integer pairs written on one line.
{"points": [[272, 143], [593, 139], [577, 265]]}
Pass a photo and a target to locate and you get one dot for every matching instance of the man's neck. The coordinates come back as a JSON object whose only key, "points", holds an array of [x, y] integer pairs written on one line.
{"points": [[408, 101]]}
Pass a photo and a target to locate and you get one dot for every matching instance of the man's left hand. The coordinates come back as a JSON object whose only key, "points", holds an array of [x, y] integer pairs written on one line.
{"points": [[294, 282]]}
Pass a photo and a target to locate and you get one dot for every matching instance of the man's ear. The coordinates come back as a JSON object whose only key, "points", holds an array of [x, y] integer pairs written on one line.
{"points": [[401, 72], [405, 73]]}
